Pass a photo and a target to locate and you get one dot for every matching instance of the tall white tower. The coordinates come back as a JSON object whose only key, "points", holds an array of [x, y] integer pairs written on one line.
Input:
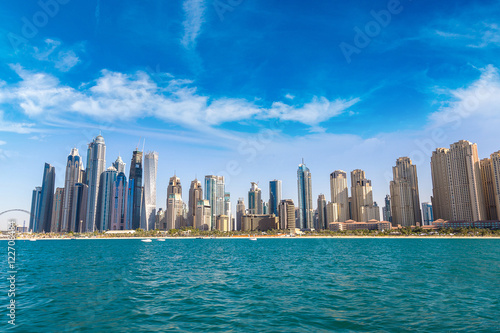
{"points": [[149, 204]]}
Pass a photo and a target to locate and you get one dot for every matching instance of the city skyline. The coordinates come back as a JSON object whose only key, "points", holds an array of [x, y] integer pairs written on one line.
{"points": [[460, 183], [417, 85]]}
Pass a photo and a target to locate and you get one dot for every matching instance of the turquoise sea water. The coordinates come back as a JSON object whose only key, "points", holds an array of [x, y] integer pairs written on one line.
{"points": [[269, 285]]}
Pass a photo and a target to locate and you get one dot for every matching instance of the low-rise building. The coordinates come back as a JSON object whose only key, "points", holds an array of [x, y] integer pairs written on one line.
{"points": [[466, 224], [259, 222], [353, 225], [222, 223]]}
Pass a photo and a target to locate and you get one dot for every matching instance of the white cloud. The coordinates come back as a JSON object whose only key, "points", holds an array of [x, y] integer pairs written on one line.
{"points": [[63, 59], [476, 36], [20, 128], [2, 143], [481, 98], [318, 110], [66, 60], [289, 96], [194, 11], [130, 96]]}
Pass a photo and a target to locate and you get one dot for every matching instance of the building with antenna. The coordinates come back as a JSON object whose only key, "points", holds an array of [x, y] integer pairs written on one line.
{"points": [[149, 194]]}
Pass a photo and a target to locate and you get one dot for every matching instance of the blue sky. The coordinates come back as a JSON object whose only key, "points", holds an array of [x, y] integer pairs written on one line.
{"points": [[246, 88]]}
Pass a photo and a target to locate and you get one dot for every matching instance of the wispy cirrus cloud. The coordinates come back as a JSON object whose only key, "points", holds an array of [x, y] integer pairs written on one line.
{"points": [[481, 99], [14, 127], [122, 96], [194, 11], [64, 59], [480, 35]]}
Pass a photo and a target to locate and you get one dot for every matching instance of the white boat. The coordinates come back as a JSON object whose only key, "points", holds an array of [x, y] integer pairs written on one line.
{"points": [[146, 240], [32, 239], [253, 238], [161, 239]]}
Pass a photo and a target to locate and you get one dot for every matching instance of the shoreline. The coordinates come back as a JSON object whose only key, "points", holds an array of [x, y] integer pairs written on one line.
{"points": [[266, 237]]}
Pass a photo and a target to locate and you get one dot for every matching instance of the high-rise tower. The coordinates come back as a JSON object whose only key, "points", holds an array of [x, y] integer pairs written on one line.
{"points": [[195, 195], [305, 197], [46, 198], [274, 196], [322, 222], [387, 215], [74, 168], [107, 186], [55, 225], [287, 214], [495, 170], [240, 211], [135, 190], [405, 201], [488, 186], [339, 194], [254, 199], [363, 208], [96, 164], [149, 204], [214, 193], [456, 180], [119, 165], [119, 204]]}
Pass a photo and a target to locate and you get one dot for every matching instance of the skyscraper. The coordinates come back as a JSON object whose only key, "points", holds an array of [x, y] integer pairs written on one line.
{"points": [[357, 176], [74, 173], [149, 204], [135, 190], [488, 186], [119, 204], [495, 170], [305, 197], [108, 183], [339, 194], [227, 209], [79, 208], [57, 210], [221, 192], [174, 186], [363, 208], [240, 211], [161, 222], [35, 208], [322, 223], [119, 165], [386, 210], [405, 201], [332, 214], [441, 184], [254, 199], [195, 195], [214, 193], [203, 215], [428, 217], [96, 164], [287, 214], [47, 196], [174, 214], [456, 180], [274, 196]]}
